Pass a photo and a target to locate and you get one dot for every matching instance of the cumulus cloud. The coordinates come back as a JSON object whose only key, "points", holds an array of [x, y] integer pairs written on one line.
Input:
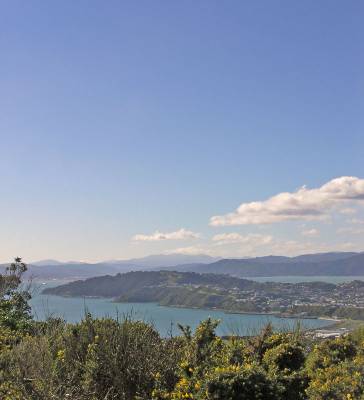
{"points": [[303, 204], [252, 239], [310, 232], [181, 234]]}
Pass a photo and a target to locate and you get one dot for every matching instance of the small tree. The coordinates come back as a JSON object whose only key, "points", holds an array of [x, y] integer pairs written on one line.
{"points": [[14, 307]]}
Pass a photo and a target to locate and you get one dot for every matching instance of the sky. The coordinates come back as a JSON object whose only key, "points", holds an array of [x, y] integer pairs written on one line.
{"points": [[130, 128]]}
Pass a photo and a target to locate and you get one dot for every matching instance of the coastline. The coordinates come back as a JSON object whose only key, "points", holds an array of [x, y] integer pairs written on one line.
{"points": [[226, 311], [272, 313], [328, 323]]}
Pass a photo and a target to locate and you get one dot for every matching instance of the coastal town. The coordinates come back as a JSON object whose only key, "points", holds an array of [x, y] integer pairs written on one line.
{"points": [[280, 296]]}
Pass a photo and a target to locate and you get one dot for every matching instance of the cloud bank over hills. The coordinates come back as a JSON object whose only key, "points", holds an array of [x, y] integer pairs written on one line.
{"points": [[330, 216], [327, 218]]}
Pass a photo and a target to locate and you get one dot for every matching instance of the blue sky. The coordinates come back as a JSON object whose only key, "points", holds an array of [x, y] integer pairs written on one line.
{"points": [[126, 118]]}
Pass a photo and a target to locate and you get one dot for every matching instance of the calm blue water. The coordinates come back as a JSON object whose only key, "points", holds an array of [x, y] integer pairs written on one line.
{"points": [[164, 319]]}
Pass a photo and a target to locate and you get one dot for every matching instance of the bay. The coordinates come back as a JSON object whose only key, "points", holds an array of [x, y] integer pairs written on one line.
{"points": [[165, 319]]}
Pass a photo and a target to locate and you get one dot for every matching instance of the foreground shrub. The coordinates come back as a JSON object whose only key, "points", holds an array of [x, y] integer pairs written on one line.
{"points": [[330, 352], [344, 381], [284, 364], [94, 359], [285, 356], [246, 382]]}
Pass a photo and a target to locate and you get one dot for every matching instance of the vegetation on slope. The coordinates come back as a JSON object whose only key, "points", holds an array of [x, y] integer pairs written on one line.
{"points": [[124, 284]]}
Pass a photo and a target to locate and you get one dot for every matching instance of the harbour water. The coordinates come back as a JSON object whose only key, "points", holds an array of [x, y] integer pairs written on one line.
{"points": [[165, 319]]}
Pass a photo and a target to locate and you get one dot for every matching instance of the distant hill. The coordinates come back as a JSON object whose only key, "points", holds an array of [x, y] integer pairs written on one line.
{"points": [[330, 264], [72, 270], [165, 260], [131, 283], [69, 271], [320, 257], [42, 263]]}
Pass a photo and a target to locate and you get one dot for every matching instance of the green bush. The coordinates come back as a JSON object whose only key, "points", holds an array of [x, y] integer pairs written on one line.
{"points": [[95, 359], [330, 352], [285, 356], [342, 381], [247, 382]]}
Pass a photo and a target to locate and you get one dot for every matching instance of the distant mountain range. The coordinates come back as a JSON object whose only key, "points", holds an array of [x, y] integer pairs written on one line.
{"points": [[165, 260], [47, 263], [329, 264], [72, 270], [322, 264]]}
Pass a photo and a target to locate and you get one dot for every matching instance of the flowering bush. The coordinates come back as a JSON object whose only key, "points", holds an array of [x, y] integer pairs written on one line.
{"points": [[240, 383]]}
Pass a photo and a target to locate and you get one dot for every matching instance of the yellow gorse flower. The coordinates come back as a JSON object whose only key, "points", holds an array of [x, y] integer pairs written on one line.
{"points": [[61, 355]]}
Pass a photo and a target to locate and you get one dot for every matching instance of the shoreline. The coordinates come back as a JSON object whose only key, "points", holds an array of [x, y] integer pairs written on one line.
{"points": [[267, 313], [233, 312]]}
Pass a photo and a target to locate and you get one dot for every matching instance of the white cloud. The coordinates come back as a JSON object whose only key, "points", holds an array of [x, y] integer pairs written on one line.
{"points": [[347, 211], [181, 234], [252, 239], [310, 232], [191, 250], [350, 231], [247, 245], [304, 204]]}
